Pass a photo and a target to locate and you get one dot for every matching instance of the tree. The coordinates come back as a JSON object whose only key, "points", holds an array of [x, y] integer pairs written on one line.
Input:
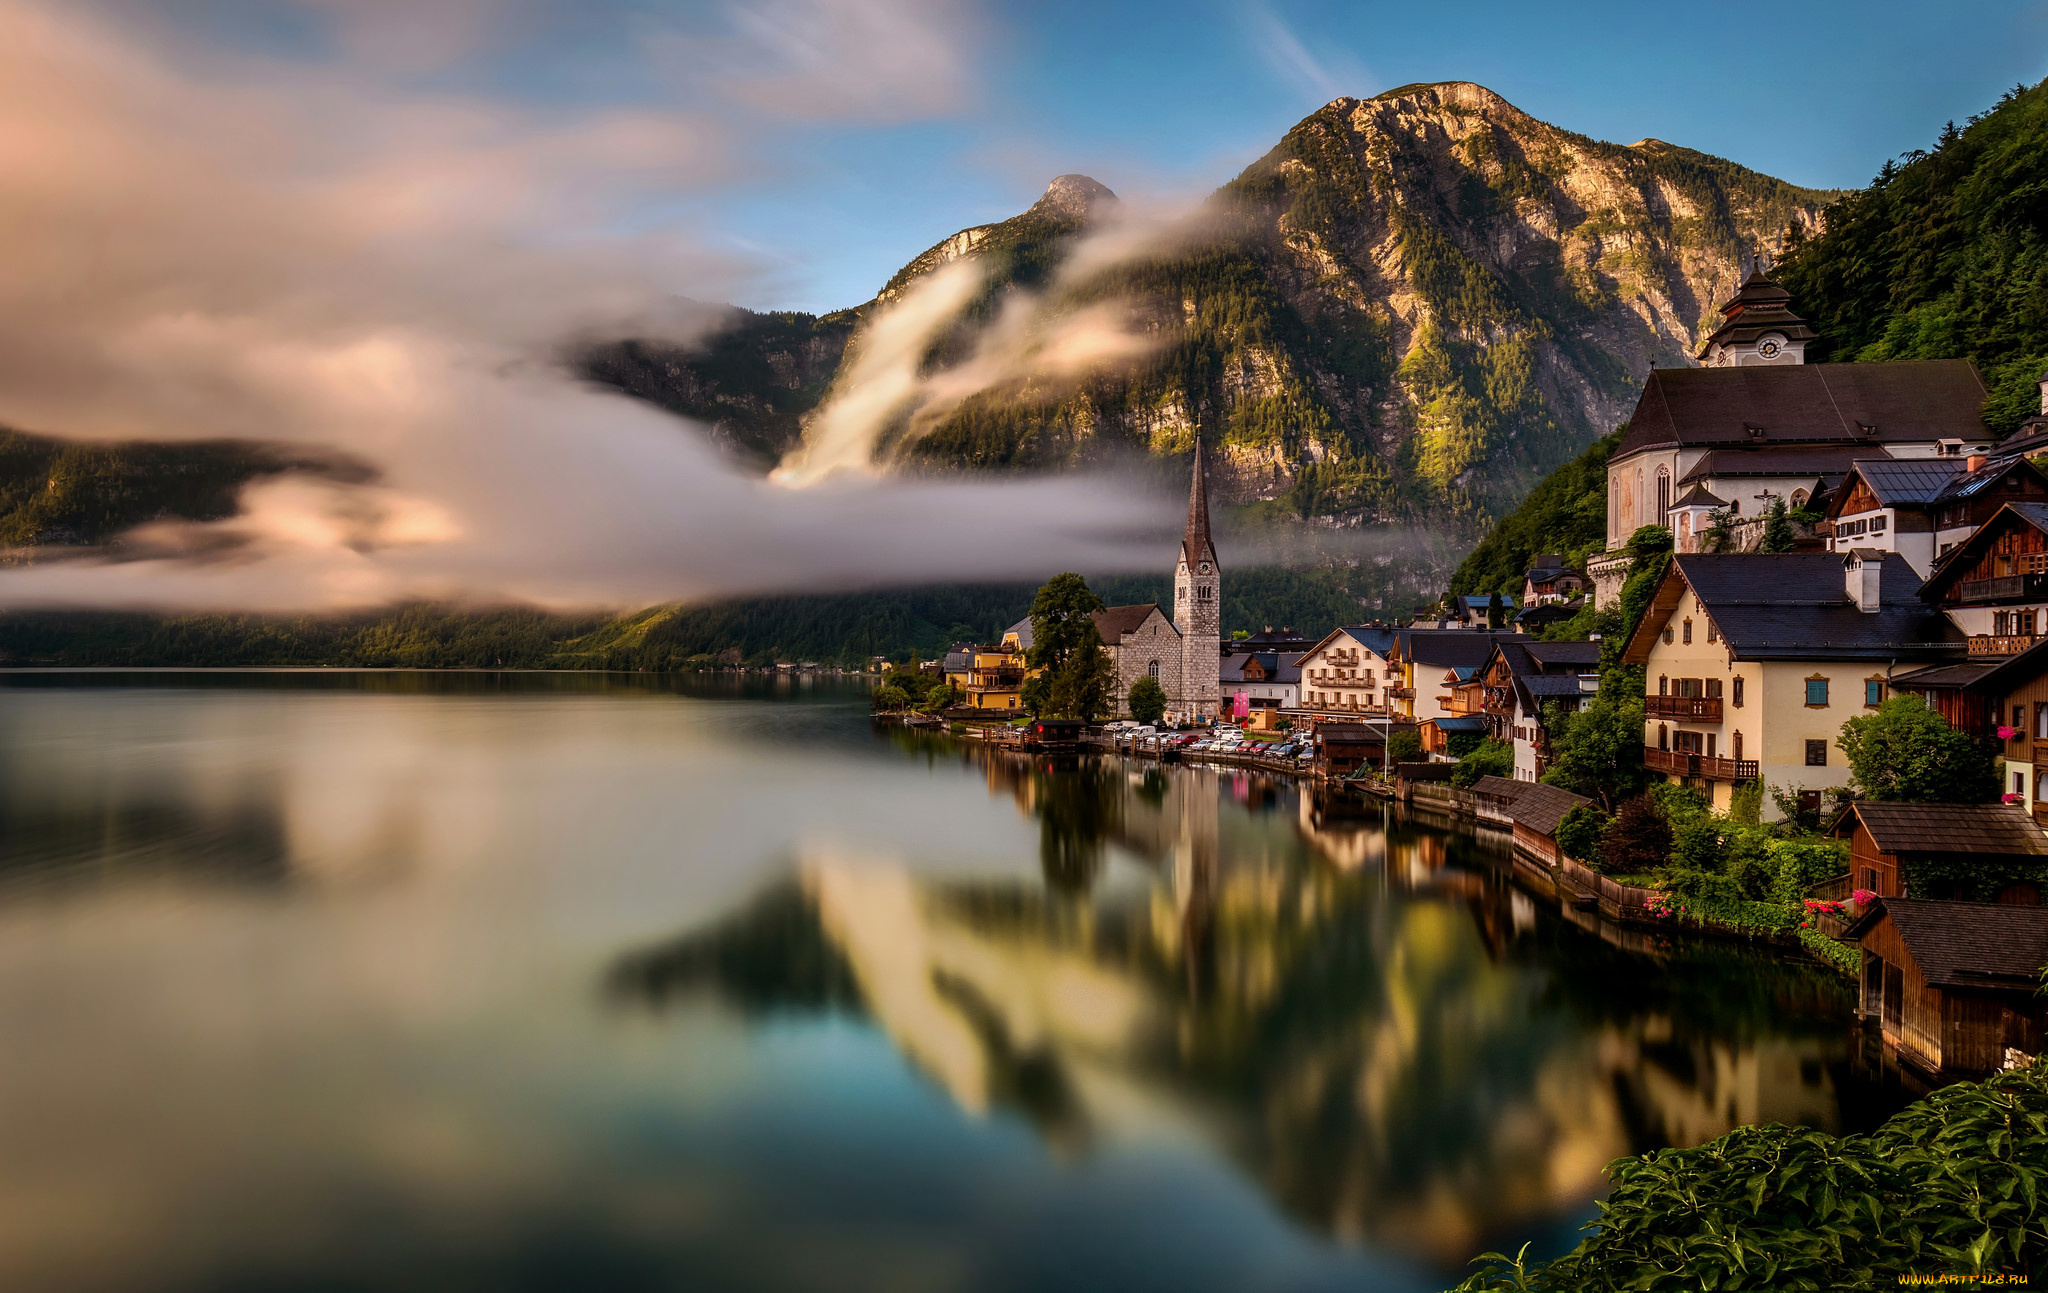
{"points": [[1907, 752], [1639, 840], [1777, 529], [1580, 832], [1147, 700], [1080, 681], [1598, 751], [891, 697], [1404, 746], [1491, 759]]}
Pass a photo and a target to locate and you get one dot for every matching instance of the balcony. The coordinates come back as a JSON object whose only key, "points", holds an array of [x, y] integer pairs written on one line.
{"points": [[1676, 762], [995, 679], [1400, 693], [1716, 769], [1697, 709], [2002, 588], [1996, 644]]}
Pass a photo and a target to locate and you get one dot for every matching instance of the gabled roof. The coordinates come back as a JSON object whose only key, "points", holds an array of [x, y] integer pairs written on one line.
{"points": [[1560, 655], [1963, 673], [1377, 640], [1479, 603], [1280, 667], [1541, 807], [1503, 790], [958, 660], [1022, 628], [1901, 482], [1796, 606], [1966, 944], [1996, 830], [1863, 404], [1698, 495], [1116, 621], [1964, 555], [1548, 613], [1451, 648]]}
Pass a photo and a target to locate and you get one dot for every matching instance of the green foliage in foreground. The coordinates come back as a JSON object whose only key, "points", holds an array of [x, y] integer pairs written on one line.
{"points": [[1954, 1183]]}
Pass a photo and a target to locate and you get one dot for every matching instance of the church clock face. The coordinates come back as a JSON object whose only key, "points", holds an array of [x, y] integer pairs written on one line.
{"points": [[1770, 347], [1205, 567]]}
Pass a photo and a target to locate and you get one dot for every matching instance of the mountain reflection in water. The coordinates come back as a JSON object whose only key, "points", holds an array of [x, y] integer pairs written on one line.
{"points": [[1359, 1011]]}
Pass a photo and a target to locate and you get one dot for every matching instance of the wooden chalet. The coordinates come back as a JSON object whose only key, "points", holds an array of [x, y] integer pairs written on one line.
{"points": [[1885, 840], [1437, 732], [1922, 508], [1994, 585], [1987, 696], [1343, 748], [1953, 984]]}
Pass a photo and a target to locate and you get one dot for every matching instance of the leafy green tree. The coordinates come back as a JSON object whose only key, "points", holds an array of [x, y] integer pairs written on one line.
{"points": [[1905, 751], [1598, 751], [1036, 694], [891, 697], [1490, 759], [1580, 832], [1404, 746], [1147, 700], [1085, 686], [1639, 840], [1080, 681], [1778, 536]]}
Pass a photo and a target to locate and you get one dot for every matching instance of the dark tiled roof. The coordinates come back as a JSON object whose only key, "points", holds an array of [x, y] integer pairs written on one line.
{"points": [[1997, 830], [1918, 400], [1461, 723], [1541, 807], [1967, 483], [1477, 603], [1551, 684], [1969, 673], [1967, 944], [1547, 614], [1502, 790], [1556, 655], [1022, 628], [1451, 648], [1797, 462], [1698, 495], [1758, 306], [1907, 482], [1795, 606], [959, 661], [1377, 640], [1279, 668], [1352, 734], [1113, 623]]}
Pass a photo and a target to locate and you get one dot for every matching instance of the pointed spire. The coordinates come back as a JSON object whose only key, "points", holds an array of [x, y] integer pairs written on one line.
{"points": [[1196, 545]]}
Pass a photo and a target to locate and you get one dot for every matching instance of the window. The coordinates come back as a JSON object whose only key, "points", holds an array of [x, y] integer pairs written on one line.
{"points": [[2041, 721], [1713, 689], [1153, 669], [1878, 523], [1688, 632], [2019, 784], [1873, 692], [1737, 754], [1204, 593], [1738, 693], [2019, 717], [1712, 634], [1667, 635], [1817, 754], [1663, 737], [1816, 692], [1663, 685]]}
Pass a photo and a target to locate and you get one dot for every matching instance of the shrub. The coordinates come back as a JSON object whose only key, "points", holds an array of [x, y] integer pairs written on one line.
{"points": [[1404, 746], [1581, 831], [1147, 701], [1490, 759], [1951, 1183], [1906, 751], [1639, 839], [1697, 844]]}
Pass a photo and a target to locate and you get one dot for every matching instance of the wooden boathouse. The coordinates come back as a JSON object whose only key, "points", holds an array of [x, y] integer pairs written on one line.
{"points": [[1953, 984]]}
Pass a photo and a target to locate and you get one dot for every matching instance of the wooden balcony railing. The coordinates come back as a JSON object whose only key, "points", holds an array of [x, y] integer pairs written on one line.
{"points": [[2007, 644], [1401, 693], [1698, 709], [1676, 762], [1718, 769], [2001, 586]]}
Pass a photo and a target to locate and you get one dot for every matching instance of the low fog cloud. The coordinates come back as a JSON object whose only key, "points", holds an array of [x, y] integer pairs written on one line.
{"points": [[293, 250]]}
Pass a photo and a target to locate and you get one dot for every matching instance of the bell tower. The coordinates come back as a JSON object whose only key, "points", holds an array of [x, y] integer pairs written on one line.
{"points": [[1757, 327], [1198, 603]]}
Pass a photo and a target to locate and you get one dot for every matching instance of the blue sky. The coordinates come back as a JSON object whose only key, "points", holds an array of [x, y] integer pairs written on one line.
{"points": [[1178, 97], [858, 132]]}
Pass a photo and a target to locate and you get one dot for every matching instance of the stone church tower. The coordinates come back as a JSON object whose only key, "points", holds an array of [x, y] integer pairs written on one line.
{"points": [[1198, 604]]}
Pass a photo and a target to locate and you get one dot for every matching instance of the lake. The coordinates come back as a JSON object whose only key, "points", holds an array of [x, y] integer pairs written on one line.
{"points": [[412, 981]]}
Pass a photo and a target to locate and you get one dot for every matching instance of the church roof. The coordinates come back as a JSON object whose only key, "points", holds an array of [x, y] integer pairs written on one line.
{"points": [[1758, 306], [1698, 496], [1113, 623], [1196, 545], [1808, 404]]}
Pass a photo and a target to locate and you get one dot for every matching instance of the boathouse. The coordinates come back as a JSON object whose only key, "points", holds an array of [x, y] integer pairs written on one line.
{"points": [[1953, 984], [1961, 850], [1536, 813]]}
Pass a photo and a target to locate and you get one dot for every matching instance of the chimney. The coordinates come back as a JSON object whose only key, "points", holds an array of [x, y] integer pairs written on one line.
{"points": [[1975, 462], [1864, 569]]}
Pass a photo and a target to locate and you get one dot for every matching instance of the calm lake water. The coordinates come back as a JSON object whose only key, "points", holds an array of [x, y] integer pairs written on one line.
{"points": [[347, 981]]}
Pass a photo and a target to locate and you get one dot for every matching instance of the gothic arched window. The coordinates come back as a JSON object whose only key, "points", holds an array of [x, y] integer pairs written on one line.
{"points": [[1153, 669], [1663, 496]]}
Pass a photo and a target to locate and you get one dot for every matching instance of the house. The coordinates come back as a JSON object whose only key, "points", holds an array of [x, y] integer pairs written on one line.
{"points": [[1427, 662], [993, 678], [1270, 682], [1550, 580], [1520, 679], [1754, 660], [1536, 813], [1344, 748], [1886, 841], [1985, 696], [1437, 733], [1952, 984], [1921, 508], [1535, 619], [1759, 423], [1348, 671], [1481, 611], [1994, 585]]}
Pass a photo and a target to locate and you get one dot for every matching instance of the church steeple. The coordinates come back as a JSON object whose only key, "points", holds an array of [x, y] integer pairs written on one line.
{"points": [[1757, 327], [1196, 546]]}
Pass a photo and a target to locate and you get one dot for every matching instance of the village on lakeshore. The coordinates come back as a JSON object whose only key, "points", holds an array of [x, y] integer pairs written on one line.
{"points": [[1801, 696]]}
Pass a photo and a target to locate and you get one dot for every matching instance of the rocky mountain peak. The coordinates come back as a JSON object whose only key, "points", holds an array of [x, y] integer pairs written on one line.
{"points": [[1072, 197]]}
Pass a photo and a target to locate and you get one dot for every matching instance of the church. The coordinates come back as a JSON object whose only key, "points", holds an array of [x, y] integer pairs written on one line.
{"points": [[1183, 654]]}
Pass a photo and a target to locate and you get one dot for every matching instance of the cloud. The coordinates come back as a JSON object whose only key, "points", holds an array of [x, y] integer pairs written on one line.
{"points": [[299, 252], [1330, 75]]}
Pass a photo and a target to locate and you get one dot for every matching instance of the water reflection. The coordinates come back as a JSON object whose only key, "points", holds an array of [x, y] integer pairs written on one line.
{"points": [[1362, 1013]]}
